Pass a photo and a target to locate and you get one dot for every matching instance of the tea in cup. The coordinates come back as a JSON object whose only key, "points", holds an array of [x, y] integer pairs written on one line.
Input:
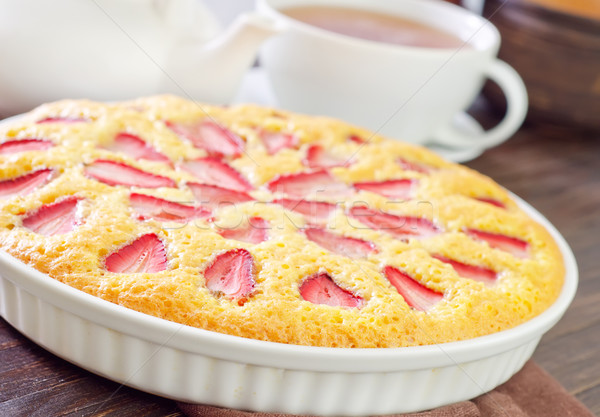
{"points": [[404, 69]]}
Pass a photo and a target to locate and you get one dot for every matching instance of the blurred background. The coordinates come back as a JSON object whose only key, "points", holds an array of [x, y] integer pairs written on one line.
{"points": [[553, 44], [555, 47]]}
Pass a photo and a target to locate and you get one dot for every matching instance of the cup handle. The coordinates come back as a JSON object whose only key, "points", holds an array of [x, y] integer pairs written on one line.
{"points": [[516, 109]]}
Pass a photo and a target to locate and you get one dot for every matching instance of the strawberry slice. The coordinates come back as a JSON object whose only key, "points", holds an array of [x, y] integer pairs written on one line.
{"points": [[413, 166], [491, 201], [477, 273], [303, 184], [60, 119], [136, 148], [318, 157], [231, 273], [347, 246], [401, 188], [25, 183], [117, 173], [149, 207], [314, 211], [276, 141], [214, 196], [54, 219], [404, 227], [146, 254], [512, 245], [211, 170], [213, 138], [414, 293], [357, 139], [24, 145], [254, 231], [321, 289]]}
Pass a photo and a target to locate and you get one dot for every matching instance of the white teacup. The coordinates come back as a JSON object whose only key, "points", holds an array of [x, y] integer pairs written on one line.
{"points": [[405, 92]]}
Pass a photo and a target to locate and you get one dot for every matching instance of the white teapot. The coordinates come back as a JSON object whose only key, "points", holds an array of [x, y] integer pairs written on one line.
{"points": [[121, 49]]}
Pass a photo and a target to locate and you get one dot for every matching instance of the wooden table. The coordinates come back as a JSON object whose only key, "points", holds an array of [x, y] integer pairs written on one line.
{"points": [[557, 170]]}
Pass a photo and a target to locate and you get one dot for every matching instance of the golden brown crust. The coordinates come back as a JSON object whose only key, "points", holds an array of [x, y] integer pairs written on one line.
{"points": [[275, 311]]}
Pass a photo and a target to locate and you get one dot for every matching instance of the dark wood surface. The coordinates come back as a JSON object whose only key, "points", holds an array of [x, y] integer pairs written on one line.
{"points": [[556, 169], [557, 55]]}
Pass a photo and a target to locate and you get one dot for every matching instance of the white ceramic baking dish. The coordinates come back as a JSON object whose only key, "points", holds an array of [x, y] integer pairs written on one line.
{"points": [[198, 366]]}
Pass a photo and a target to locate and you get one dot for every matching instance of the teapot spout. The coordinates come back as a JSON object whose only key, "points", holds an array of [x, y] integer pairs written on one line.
{"points": [[213, 72]]}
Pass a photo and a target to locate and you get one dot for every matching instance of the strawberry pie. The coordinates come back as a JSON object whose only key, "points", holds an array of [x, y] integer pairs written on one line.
{"points": [[268, 225]]}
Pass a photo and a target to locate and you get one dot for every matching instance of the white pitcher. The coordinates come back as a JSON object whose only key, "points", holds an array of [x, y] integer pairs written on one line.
{"points": [[121, 49]]}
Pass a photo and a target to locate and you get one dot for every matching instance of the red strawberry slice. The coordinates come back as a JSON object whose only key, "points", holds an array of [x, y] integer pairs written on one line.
{"points": [[413, 166], [146, 254], [208, 135], [117, 173], [318, 157], [404, 227], [491, 201], [60, 119], [314, 211], [347, 246], [136, 148], [512, 245], [54, 219], [214, 196], [149, 207], [276, 141], [357, 139], [213, 171], [414, 293], [477, 273], [303, 184], [255, 231], [231, 273], [26, 183], [24, 145], [401, 188], [321, 289]]}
